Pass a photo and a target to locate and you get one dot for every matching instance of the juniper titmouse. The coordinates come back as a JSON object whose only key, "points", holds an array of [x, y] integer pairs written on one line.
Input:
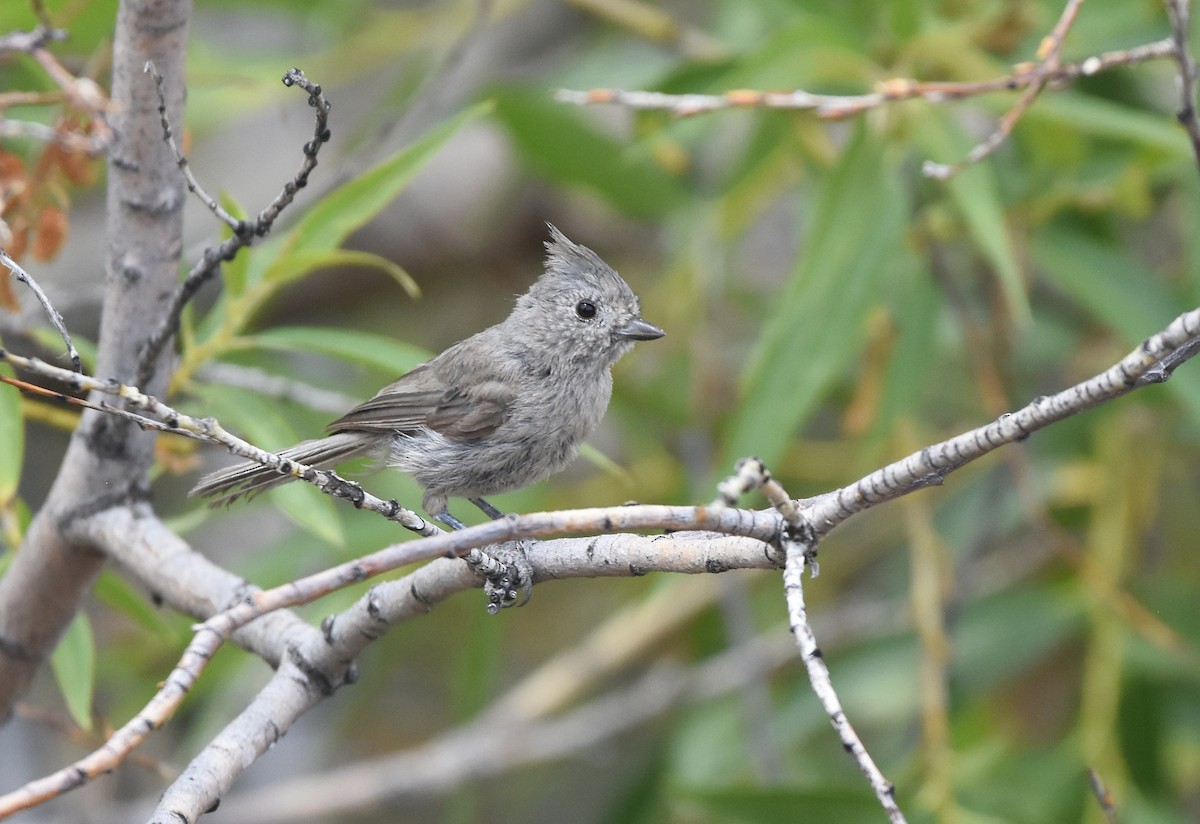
{"points": [[503, 409]]}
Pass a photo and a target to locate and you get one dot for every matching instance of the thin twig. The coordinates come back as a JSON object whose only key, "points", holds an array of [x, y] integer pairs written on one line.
{"points": [[82, 92], [30, 41], [797, 530], [71, 141], [56, 319], [245, 231], [894, 90], [1179, 11], [798, 540], [41, 12], [1102, 795], [193, 185], [162, 417], [212, 633], [931, 465], [1048, 53], [487, 746]]}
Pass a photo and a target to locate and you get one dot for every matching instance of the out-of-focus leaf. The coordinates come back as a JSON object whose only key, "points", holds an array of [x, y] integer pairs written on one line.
{"points": [[556, 141], [1027, 623], [1144, 721], [604, 463], [111, 590], [298, 264], [814, 334], [74, 665], [1052, 781], [1189, 216], [813, 49], [311, 510], [331, 220], [1104, 118], [233, 272], [12, 439], [376, 351], [1114, 289], [768, 168], [908, 373], [977, 198]]}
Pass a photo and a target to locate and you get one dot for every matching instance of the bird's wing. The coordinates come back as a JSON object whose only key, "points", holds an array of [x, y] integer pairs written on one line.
{"points": [[420, 398]]}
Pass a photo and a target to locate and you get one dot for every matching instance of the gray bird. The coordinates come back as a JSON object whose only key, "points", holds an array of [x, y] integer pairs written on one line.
{"points": [[505, 408]]}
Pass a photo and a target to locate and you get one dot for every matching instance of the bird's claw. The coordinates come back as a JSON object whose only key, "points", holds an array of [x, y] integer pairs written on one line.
{"points": [[507, 575]]}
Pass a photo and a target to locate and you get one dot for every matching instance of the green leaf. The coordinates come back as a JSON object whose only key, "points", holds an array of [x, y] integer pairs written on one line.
{"points": [[12, 439], [294, 266], [74, 665], [813, 333], [908, 372], [1113, 288], [604, 463], [331, 220], [976, 196], [1029, 623], [1077, 112], [233, 272], [311, 510], [112, 591], [557, 142], [376, 351]]}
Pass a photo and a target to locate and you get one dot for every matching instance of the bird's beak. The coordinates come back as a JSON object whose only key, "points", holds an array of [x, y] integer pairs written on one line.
{"points": [[638, 329]]}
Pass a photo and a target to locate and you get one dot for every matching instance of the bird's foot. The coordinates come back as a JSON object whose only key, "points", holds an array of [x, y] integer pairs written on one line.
{"points": [[506, 572]]}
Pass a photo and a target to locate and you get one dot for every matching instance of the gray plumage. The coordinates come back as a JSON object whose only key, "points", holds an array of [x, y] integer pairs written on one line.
{"points": [[505, 408]]}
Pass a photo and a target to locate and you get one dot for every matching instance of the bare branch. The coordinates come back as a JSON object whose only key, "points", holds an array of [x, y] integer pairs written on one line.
{"points": [[1048, 54], [1179, 11], [456, 756], [193, 185], [54, 569], [82, 92], [798, 540], [895, 90], [30, 41], [56, 319], [244, 231], [160, 417], [797, 529], [1102, 795], [931, 464], [327, 662], [179, 577], [72, 141]]}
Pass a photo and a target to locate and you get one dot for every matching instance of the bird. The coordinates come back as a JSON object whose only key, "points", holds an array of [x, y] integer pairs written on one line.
{"points": [[501, 410]]}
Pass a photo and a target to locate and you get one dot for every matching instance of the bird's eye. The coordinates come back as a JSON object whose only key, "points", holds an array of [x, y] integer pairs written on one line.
{"points": [[585, 309]]}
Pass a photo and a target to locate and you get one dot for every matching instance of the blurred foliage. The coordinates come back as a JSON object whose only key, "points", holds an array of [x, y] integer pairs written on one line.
{"points": [[828, 309]]}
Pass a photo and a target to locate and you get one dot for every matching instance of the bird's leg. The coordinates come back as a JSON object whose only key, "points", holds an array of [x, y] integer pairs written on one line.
{"points": [[486, 508], [449, 520], [506, 571]]}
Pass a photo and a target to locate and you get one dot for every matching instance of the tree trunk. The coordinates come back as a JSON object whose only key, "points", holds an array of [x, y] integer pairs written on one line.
{"points": [[108, 458]]}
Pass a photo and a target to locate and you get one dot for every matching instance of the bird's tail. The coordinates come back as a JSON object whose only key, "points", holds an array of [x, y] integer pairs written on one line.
{"points": [[249, 479]]}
